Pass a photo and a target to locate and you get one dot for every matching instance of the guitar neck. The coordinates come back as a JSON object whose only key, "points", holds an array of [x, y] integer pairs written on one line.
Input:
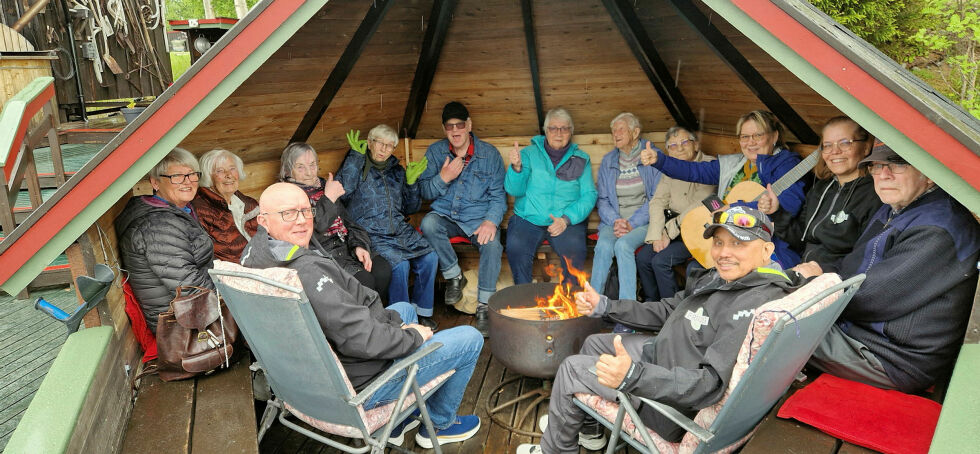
{"points": [[794, 174]]}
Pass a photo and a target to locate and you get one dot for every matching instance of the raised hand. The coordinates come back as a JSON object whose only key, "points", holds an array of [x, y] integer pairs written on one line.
{"points": [[333, 189], [648, 156], [515, 157], [414, 169], [611, 369], [586, 300], [357, 145], [768, 202], [557, 226], [451, 169]]}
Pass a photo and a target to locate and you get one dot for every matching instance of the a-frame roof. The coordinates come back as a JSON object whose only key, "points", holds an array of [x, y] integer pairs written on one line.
{"points": [[397, 62]]}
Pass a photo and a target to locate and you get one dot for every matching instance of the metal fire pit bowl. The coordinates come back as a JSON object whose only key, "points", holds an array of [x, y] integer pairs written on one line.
{"points": [[534, 348]]}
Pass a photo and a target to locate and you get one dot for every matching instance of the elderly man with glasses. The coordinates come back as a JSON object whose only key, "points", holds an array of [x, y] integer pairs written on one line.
{"points": [[367, 337], [466, 185], [689, 364], [903, 328]]}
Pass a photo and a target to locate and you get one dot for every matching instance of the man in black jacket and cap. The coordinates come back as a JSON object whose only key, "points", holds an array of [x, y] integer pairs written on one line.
{"points": [[689, 363]]}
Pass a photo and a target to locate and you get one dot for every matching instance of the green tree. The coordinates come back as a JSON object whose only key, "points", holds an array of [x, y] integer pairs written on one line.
{"points": [[955, 37], [194, 9], [889, 25]]}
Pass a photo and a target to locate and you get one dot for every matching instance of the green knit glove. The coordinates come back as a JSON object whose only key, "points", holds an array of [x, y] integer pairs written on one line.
{"points": [[414, 169], [359, 146]]}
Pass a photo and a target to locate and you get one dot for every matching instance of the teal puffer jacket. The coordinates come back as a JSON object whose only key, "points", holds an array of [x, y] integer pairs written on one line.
{"points": [[542, 189]]}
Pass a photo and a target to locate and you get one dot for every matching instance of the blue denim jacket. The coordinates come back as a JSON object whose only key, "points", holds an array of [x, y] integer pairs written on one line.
{"points": [[476, 195]]}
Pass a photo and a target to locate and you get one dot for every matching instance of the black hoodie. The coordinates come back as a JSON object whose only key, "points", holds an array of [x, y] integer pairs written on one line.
{"points": [[366, 336]]}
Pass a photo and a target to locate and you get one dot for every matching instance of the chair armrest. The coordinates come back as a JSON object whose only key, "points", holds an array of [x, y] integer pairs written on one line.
{"points": [[673, 415], [399, 366]]}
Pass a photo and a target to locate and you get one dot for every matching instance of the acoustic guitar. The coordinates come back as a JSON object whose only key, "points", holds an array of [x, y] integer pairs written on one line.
{"points": [[695, 219]]}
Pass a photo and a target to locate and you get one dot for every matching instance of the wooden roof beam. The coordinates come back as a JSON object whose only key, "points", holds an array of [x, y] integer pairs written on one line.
{"points": [[532, 57], [342, 69], [724, 49], [435, 37], [636, 36]]}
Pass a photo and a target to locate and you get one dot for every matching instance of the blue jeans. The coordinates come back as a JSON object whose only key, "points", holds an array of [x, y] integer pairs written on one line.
{"points": [[523, 239], [460, 349], [657, 269], [424, 268], [437, 230], [623, 247]]}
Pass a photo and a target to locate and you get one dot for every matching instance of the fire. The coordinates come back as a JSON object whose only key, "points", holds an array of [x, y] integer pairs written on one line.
{"points": [[561, 304]]}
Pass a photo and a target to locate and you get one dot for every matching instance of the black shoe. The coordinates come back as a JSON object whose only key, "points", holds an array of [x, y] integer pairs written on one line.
{"points": [[454, 289], [483, 320], [428, 322]]}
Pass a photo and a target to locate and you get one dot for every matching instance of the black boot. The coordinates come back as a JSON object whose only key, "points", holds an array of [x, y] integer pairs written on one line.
{"points": [[428, 322], [454, 289], [483, 319]]}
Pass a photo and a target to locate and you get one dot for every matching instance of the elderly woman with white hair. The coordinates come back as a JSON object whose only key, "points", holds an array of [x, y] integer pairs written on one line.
{"points": [[161, 243], [379, 194], [225, 213], [625, 190], [551, 181]]}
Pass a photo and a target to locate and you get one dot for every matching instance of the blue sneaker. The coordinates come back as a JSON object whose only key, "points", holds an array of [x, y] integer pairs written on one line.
{"points": [[397, 436], [461, 430], [623, 329]]}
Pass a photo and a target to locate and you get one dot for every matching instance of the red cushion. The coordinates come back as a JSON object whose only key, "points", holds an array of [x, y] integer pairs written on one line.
{"points": [[886, 421], [459, 240], [148, 341]]}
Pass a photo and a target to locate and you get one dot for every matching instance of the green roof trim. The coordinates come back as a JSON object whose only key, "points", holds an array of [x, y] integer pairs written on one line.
{"points": [[956, 430], [124, 184], [850, 106]]}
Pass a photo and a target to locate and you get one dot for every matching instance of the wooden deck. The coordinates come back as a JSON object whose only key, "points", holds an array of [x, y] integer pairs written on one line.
{"points": [[29, 342]]}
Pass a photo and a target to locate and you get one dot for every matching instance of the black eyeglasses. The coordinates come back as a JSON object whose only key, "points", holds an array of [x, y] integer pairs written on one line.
{"points": [[893, 167], [843, 145], [291, 215], [179, 178]]}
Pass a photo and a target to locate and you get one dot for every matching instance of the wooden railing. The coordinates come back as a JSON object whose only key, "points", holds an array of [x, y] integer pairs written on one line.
{"points": [[18, 137]]}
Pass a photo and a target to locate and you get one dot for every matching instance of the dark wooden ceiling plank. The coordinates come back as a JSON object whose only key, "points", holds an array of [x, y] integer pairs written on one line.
{"points": [[624, 16], [435, 37], [532, 57], [725, 50], [342, 69]]}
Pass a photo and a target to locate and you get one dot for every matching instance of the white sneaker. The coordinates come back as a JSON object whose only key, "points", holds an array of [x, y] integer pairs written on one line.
{"points": [[592, 442], [543, 423], [398, 439], [528, 448]]}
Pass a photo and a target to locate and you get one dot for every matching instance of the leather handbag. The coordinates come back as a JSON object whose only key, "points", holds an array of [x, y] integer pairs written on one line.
{"points": [[195, 336]]}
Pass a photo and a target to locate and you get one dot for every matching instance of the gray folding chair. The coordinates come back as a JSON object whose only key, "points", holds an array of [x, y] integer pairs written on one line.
{"points": [[307, 379], [782, 336]]}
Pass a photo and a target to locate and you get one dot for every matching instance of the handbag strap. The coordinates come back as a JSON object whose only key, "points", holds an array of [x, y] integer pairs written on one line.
{"points": [[224, 341]]}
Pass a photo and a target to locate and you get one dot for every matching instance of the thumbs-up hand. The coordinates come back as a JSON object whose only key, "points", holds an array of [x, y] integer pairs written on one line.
{"points": [[768, 202], [648, 156], [557, 226], [333, 189], [586, 300], [610, 369], [515, 157]]}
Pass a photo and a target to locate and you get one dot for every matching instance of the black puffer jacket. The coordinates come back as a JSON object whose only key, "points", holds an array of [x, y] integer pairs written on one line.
{"points": [[163, 248]]}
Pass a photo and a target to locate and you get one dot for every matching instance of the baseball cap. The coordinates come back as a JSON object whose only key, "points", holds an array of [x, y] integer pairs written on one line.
{"points": [[742, 222], [454, 109], [881, 152]]}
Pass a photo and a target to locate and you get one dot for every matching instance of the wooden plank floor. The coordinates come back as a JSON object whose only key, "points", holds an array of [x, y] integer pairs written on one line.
{"points": [[29, 342], [491, 438]]}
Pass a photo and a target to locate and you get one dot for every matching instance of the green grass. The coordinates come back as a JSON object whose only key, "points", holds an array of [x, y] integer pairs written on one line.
{"points": [[179, 62]]}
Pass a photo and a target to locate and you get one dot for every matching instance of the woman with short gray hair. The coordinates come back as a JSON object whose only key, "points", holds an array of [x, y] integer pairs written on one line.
{"points": [[161, 243], [225, 213], [379, 194]]}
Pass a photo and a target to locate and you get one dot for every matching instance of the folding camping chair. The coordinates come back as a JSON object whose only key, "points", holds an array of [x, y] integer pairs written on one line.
{"points": [[306, 377], [782, 336]]}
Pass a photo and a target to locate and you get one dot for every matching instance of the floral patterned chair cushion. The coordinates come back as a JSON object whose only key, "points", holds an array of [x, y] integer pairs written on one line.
{"points": [[373, 418], [763, 321]]}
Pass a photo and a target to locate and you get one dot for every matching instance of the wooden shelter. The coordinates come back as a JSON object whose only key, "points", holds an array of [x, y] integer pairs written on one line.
{"points": [[312, 70]]}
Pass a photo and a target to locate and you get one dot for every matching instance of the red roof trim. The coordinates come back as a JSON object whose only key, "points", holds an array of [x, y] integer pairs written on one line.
{"points": [[148, 133], [866, 89]]}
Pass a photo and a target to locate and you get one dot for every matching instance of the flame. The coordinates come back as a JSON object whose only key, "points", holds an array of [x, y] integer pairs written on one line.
{"points": [[561, 304]]}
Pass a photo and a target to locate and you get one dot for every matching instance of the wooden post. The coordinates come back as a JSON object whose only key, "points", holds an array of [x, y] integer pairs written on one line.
{"points": [[56, 158]]}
